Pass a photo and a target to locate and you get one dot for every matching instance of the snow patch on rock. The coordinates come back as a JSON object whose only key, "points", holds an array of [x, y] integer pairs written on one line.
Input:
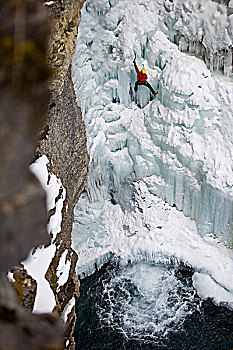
{"points": [[55, 193], [68, 309], [38, 261], [10, 277], [37, 264], [63, 269]]}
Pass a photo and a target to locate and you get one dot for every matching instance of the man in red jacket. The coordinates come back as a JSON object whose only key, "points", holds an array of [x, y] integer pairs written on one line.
{"points": [[141, 79]]}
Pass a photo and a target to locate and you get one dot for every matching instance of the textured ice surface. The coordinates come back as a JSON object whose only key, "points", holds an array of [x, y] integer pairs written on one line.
{"points": [[183, 137], [177, 147]]}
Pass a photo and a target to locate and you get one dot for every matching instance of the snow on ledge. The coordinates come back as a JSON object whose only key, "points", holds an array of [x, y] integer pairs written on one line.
{"points": [[37, 265]]}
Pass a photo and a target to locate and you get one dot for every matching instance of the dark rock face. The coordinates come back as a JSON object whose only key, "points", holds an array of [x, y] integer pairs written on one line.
{"points": [[65, 142], [25, 97]]}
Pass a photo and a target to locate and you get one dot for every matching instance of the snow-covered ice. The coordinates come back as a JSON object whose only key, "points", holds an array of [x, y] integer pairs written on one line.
{"points": [[207, 287]]}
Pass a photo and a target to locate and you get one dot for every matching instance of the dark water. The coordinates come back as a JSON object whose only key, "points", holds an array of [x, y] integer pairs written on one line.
{"points": [[113, 312]]}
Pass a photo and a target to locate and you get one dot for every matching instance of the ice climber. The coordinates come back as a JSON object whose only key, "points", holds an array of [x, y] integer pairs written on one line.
{"points": [[141, 79]]}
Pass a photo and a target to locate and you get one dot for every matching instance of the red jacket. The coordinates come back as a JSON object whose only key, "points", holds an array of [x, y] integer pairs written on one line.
{"points": [[141, 77]]}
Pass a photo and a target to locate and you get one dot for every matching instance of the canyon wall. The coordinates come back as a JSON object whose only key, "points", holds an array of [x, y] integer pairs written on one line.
{"points": [[63, 140], [37, 42]]}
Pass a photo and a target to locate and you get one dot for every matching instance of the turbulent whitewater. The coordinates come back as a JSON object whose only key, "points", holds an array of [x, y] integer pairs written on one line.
{"points": [[159, 188]]}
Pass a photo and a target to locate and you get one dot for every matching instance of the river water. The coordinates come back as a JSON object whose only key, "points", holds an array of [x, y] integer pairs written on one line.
{"points": [[148, 306]]}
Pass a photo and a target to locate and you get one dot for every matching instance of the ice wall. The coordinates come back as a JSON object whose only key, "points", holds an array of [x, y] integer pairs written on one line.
{"points": [[157, 163], [179, 143], [203, 28]]}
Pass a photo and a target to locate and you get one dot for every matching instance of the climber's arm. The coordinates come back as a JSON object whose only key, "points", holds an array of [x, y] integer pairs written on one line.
{"points": [[136, 67]]}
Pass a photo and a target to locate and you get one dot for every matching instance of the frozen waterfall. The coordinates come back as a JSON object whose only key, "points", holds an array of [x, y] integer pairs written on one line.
{"points": [[161, 169]]}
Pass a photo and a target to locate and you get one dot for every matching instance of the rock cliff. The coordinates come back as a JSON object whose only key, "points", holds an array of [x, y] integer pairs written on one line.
{"points": [[63, 140], [27, 44]]}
